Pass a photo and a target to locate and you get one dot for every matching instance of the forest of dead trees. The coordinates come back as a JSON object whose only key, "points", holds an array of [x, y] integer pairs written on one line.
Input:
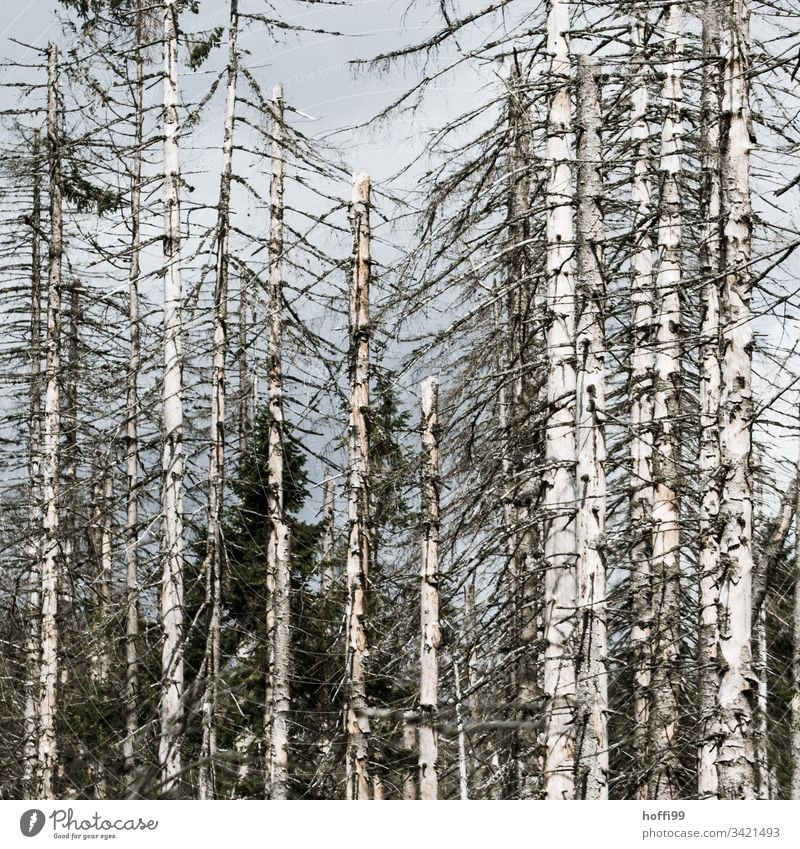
{"points": [[472, 475]]}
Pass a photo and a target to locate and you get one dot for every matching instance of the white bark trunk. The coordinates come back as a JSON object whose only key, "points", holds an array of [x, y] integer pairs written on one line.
{"points": [[429, 595], [327, 574], [665, 683], [215, 550], [592, 675], [522, 447], [278, 539], [410, 774], [735, 696], [359, 548], [243, 359], [102, 539], [640, 395], [710, 375], [171, 707], [559, 499], [35, 514], [463, 785], [132, 430], [51, 558]]}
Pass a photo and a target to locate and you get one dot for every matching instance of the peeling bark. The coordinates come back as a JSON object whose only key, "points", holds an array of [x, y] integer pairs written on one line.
{"points": [[591, 756], [429, 595], [359, 548], [666, 569], [172, 556], [560, 590], [736, 690], [51, 554]]}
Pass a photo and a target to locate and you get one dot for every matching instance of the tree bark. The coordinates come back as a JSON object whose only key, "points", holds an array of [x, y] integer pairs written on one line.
{"points": [[327, 572], [35, 513], [359, 548], [51, 554], [172, 556], [560, 590], [735, 695], [215, 548], [522, 447], [591, 756], [666, 679], [429, 595], [640, 399], [102, 541], [710, 376], [132, 429], [463, 777], [278, 541]]}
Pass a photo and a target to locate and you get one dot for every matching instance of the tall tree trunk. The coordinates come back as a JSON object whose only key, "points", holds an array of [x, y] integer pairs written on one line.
{"points": [[463, 778], [215, 550], [522, 448], [278, 542], [242, 356], [710, 375], [559, 484], [591, 756], [35, 515], [429, 595], [102, 541], [327, 574], [71, 497], [735, 696], [640, 398], [359, 547], [665, 683], [172, 708], [51, 555], [132, 430]]}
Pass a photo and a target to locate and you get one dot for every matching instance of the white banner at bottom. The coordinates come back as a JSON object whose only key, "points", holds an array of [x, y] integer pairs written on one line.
{"points": [[398, 825]]}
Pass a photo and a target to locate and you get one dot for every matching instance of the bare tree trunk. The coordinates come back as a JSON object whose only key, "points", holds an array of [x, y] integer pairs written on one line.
{"points": [[215, 548], [511, 535], [359, 548], [327, 574], [640, 395], [51, 556], [710, 375], [591, 756], [735, 696], [245, 378], [278, 541], [171, 708], [560, 591], [35, 514], [463, 785], [522, 449], [665, 683], [132, 430], [410, 774], [102, 541], [429, 595]]}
